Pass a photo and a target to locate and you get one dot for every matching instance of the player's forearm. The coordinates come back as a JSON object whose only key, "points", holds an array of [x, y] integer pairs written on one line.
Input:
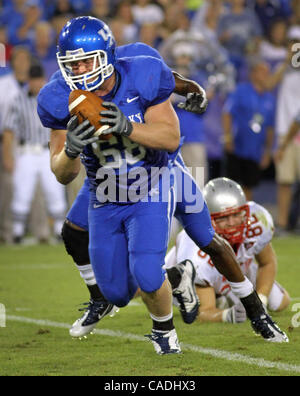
{"points": [[267, 268], [183, 86], [265, 279], [210, 315], [64, 168], [158, 136]]}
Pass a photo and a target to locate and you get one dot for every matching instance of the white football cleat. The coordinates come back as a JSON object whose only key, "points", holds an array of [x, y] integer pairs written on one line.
{"points": [[185, 292], [164, 342], [95, 311]]}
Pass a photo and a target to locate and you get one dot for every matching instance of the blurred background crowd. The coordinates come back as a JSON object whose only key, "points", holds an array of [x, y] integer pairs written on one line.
{"points": [[243, 52]]}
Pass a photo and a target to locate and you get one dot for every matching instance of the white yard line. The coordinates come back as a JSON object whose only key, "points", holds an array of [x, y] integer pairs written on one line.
{"points": [[133, 303], [235, 357]]}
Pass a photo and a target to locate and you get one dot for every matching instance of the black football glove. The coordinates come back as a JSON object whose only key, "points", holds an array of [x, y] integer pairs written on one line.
{"points": [[115, 118], [78, 136], [195, 102]]}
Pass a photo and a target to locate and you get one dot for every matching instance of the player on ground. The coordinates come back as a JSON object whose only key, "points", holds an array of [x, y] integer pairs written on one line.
{"points": [[248, 227], [221, 252]]}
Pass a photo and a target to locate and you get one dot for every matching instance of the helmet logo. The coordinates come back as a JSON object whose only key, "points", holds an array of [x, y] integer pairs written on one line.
{"points": [[106, 35]]}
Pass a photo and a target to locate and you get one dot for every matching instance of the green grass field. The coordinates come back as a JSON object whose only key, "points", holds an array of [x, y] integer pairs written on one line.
{"points": [[41, 290]]}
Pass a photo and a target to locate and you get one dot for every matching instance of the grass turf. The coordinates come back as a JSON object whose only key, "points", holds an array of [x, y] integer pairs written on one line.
{"points": [[41, 283]]}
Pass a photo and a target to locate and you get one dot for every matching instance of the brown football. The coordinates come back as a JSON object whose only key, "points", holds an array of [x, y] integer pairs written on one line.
{"points": [[87, 105]]}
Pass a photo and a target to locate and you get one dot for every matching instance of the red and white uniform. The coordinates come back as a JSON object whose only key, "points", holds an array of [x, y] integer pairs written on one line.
{"points": [[256, 238]]}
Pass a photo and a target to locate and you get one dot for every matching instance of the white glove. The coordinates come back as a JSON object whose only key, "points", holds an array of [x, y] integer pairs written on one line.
{"points": [[235, 314]]}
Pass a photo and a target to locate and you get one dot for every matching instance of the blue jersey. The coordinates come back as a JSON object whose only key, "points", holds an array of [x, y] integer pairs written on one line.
{"points": [[129, 255], [143, 82], [252, 113]]}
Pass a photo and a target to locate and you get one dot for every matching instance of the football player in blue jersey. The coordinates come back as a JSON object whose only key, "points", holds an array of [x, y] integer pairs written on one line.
{"points": [[128, 240], [124, 254]]}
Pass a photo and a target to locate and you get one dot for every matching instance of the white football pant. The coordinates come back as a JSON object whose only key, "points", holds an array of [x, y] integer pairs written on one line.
{"points": [[32, 164]]}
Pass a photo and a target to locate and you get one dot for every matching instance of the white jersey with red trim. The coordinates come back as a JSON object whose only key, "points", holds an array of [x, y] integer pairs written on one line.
{"points": [[257, 237]]}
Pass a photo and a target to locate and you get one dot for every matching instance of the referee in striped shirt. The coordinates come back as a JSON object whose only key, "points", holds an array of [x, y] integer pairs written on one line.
{"points": [[30, 160]]}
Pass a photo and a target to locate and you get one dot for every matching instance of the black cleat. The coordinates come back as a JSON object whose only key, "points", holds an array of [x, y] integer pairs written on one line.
{"points": [[269, 330]]}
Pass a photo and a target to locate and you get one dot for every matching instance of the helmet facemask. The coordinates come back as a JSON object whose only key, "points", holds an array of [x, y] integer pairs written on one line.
{"points": [[233, 234], [90, 80]]}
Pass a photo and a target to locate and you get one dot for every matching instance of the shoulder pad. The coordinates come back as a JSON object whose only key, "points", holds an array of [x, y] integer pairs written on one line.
{"points": [[136, 49], [261, 227], [53, 100], [153, 79]]}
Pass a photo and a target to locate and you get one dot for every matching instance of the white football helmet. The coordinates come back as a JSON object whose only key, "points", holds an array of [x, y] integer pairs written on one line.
{"points": [[225, 197]]}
